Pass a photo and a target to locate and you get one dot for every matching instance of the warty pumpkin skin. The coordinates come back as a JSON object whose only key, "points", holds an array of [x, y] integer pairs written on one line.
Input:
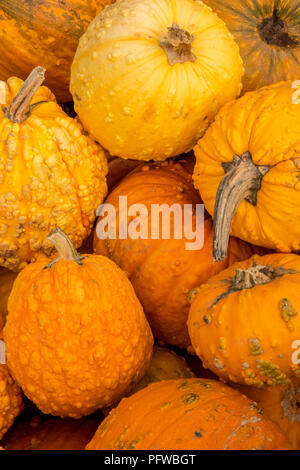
{"points": [[187, 414], [11, 403], [158, 70], [243, 321], [163, 272], [51, 172], [46, 33], [282, 406], [247, 170], [76, 335], [51, 434], [268, 35]]}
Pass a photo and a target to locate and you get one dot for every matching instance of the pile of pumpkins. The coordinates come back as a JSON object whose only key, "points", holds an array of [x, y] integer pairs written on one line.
{"points": [[140, 343]]}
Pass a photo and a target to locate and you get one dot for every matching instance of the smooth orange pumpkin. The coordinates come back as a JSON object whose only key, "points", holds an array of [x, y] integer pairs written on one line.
{"points": [[51, 434], [244, 322], [43, 33], [268, 35], [187, 414], [76, 335], [164, 272]]}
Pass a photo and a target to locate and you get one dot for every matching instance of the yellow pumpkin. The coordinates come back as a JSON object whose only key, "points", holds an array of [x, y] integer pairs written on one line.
{"points": [[51, 172], [149, 76], [247, 170]]}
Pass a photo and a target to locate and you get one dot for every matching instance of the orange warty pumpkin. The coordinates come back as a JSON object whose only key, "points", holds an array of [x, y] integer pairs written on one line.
{"points": [[187, 414], [268, 35], [7, 278], [11, 403], [51, 434], [51, 173], [163, 272], [43, 33], [76, 335], [247, 170], [282, 406], [244, 321]]}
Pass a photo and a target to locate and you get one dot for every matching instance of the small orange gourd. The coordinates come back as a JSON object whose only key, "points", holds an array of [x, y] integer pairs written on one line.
{"points": [[187, 414], [11, 403], [244, 321], [76, 335]]}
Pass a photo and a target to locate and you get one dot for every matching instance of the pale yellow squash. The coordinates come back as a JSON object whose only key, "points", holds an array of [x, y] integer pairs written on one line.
{"points": [[149, 76]]}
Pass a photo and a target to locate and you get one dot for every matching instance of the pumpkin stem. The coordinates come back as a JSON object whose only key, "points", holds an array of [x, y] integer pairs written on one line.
{"points": [[256, 275], [19, 109], [64, 246], [177, 44], [242, 181], [291, 404], [274, 31]]}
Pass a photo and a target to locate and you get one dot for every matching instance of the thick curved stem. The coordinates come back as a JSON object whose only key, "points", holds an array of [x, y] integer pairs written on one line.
{"points": [[177, 45], [242, 181], [19, 109], [64, 246]]}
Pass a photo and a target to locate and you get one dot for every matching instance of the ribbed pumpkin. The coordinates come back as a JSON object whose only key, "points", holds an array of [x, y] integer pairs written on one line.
{"points": [[268, 35], [11, 403], [244, 321], [46, 33], [282, 406], [247, 170], [187, 414], [7, 279], [51, 434], [51, 173], [164, 272], [149, 76], [76, 335]]}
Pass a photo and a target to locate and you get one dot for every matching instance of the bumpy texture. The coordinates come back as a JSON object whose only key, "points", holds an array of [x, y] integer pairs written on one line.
{"points": [[46, 33], [187, 414], [51, 173], [7, 279], [268, 35], [164, 272], [76, 335], [51, 434], [246, 334], [266, 124], [282, 406], [124, 81], [10, 400]]}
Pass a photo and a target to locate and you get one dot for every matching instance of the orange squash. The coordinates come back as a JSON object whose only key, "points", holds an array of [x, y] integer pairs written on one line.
{"points": [[282, 406], [244, 321], [268, 35], [247, 170], [51, 434], [7, 279], [164, 272], [11, 403], [188, 414], [76, 335], [43, 33]]}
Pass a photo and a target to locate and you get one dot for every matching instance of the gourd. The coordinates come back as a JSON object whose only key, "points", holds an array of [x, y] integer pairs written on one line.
{"points": [[164, 272], [11, 403], [51, 172], [268, 36], [76, 335], [149, 76], [247, 170], [282, 406], [187, 414], [51, 434], [46, 34], [244, 321]]}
